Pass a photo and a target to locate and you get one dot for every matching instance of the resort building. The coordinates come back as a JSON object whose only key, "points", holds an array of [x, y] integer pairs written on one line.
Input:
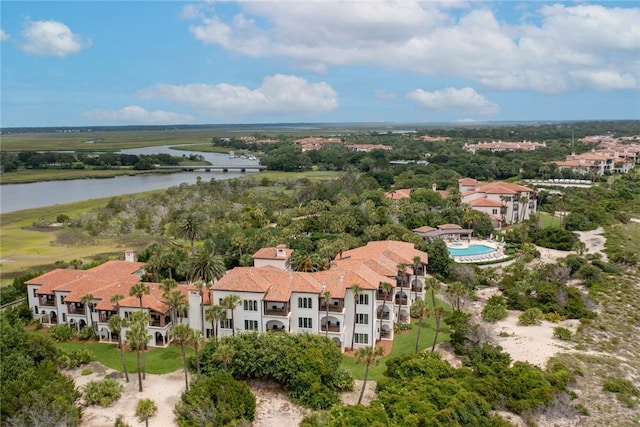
{"points": [[504, 202], [358, 299], [84, 298], [315, 143], [615, 158], [365, 148], [497, 146]]}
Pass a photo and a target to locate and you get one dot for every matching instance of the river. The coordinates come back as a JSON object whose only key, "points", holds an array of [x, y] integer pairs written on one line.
{"points": [[17, 197]]}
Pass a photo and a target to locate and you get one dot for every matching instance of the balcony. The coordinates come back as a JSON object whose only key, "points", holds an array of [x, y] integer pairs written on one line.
{"points": [[402, 301], [276, 311], [332, 307], [416, 288], [46, 303], [385, 334], [381, 296], [332, 328], [76, 310], [384, 316]]}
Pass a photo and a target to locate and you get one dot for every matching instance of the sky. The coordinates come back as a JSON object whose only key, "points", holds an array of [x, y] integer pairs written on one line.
{"points": [[89, 63]]}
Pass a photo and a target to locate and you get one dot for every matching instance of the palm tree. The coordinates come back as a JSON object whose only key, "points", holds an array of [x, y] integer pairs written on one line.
{"points": [[138, 290], [416, 265], [326, 295], [167, 285], [197, 341], [386, 289], [367, 356], [579, 247], [357, 290], [87, 300], [433, 285], [174, 299], [137, 339], [192, 227], [145, 409], [224, 353], [206, 266], [455, 293], [419, 310], [230, 302], [76, 264], [182, 333], [438, 313], [117, 324], [214, 314]]}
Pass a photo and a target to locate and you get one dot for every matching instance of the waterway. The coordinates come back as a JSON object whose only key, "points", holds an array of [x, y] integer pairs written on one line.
{"points": [[17, 197]]}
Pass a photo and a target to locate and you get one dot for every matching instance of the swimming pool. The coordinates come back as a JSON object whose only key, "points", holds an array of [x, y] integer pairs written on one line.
{"points": [[470, 250]]}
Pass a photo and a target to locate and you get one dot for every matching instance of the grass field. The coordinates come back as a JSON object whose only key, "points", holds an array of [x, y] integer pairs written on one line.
{"points": [[102, 140], [40, 175], [25, 248], [158, 360], [403, 343]]}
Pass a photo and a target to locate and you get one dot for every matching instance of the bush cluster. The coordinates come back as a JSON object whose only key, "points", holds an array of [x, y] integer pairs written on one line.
{"points": [[62, 332], [86, 334], [307, 365], [531, 316], [423, 389], [217, 400], [495, 309], [554, 238], [626, 392], [74, 358], [103, 392], [562, 333]]}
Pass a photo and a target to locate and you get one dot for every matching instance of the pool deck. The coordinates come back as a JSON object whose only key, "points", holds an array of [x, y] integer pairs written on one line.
{"points": [[471, 259]]}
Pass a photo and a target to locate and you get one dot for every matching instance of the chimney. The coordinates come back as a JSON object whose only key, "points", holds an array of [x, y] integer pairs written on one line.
{"points": [[281, 251], [129, 255]]}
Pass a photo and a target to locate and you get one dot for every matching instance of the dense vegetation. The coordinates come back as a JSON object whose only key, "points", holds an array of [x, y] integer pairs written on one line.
{"points": [[308, 366], [33, 391]]}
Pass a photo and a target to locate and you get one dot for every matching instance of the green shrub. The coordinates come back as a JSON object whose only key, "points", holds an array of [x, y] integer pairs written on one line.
{"points": [[86, 334], [401, 327], [625, 391], [343, 380], [103, 392], [554, 238], [553, 317], [37, 325], [531, 316], [216, 401], [562, 333], [61, 332], [496, 309], [74, 358]]}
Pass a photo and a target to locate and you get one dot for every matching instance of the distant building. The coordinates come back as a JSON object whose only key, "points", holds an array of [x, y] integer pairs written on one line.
{"points": [[315, 143], [497, 146], [504, 202], [365, 148]]}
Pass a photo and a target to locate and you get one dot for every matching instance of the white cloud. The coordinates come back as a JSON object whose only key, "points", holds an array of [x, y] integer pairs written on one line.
{"points": [[51, 38], [134, 114], [278, 95], [465, 100], [538, 51], [606, 79], [3, 36]]}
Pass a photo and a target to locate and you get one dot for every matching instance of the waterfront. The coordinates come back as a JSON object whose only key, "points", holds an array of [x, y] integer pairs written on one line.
{"points": [[17, 197]]}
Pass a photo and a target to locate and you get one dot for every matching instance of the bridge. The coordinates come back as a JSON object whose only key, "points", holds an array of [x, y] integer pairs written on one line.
{"points": [[213, 168]]}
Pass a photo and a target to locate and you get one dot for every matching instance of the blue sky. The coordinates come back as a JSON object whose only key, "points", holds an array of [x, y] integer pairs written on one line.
{"points": [[84, 63]]}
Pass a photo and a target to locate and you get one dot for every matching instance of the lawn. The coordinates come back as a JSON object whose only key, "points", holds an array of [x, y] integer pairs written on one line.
{"points": [[403, 343], [547, 220], [158, 360]]}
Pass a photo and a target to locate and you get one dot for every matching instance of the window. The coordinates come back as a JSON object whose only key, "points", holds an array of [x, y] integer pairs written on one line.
{"points": [[305, 303], [250, 325], [226, 324], [34, 292], [494, 211], [250, 305], [61, 299], [64, 318], [362, 318], [305, 322], [363, 299], [362, 339]]}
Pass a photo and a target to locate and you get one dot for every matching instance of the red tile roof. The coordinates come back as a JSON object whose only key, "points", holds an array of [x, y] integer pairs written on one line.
{"points": [[485, 202], [401, 193], [272, 253]]}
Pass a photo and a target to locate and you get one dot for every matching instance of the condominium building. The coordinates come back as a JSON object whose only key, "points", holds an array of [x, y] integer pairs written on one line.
{"points": [[358, 299], [504, 202]]}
